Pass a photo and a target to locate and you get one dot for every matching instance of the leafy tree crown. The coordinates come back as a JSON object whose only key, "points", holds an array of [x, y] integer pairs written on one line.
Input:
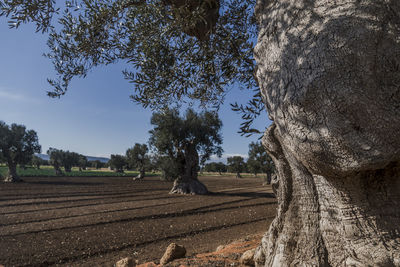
{"points": [[175, 50]]}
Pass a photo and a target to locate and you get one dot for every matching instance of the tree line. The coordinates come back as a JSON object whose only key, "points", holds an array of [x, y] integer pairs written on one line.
{"points": [[178, 147], [258, 162]]}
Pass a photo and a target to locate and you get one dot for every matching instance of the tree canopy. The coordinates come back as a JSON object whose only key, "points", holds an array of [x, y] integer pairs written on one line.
{"points": [[117, 162], [215, 167], [17, 146], [186, 141], [172, 134], [236, 165], [259, 161], [137, 158], [60, 158], [174, 50]]}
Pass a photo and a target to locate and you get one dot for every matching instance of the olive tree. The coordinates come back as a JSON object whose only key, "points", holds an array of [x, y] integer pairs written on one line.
{"points": [[328, 73], [186, 141], [117, 163], [259, 161], [69, 160], [236, 165], [17, 144], [82, 162], [37, 161], [137, 158], [56, 159], [215, 167]]}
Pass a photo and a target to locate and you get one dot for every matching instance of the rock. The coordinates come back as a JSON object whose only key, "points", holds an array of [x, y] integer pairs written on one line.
{"points": [[126, 262], [173, 252], [221, 247], [247, 258]]}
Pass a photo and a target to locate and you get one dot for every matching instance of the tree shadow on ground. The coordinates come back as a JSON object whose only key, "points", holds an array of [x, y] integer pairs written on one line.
{"points": [[243, 194]]}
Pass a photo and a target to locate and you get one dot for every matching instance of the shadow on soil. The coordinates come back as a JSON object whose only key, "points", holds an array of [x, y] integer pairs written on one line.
{"points": [[194, 211], [63, 183], [244, 194]]}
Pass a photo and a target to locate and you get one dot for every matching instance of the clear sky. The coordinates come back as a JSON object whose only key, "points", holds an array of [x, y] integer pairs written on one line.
{"points": [[96, 117]]}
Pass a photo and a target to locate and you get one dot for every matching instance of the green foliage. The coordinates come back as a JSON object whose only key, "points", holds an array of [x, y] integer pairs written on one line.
{"points": [[82, 162], [236, 165], [137, 157], [96, 164], [174, 50], [170, 168], [56, 159], [175, 138], [37, 162], [215, 167], [60, 158], [17, 145], [47, 171], [259, 161], [117, 163]]}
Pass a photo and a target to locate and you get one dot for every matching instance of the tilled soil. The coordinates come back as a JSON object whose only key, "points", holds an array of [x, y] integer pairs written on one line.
{"points": [[97, 221]]}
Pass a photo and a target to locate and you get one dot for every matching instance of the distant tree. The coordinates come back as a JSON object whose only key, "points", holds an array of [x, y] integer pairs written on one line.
{"points": [[260, 161], [220, 167], [97, 164], [56, 159], [215, 167], [16, 146], [82, 162], [137, 158], [117, 162], [209, 167], [187, 141], [37, 161], [236, 165], [254, 166], [69, 160]]}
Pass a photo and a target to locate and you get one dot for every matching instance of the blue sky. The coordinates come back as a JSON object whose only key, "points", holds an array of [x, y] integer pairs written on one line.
{"points": [[96, 117]]}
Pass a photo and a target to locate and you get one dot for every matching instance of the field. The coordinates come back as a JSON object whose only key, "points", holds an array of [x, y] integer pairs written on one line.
{"points": [[48, 171], [92, 221]]}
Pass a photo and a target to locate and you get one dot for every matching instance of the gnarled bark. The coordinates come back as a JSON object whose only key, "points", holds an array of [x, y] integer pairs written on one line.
{"points": [[329, 73], [187, 182]]}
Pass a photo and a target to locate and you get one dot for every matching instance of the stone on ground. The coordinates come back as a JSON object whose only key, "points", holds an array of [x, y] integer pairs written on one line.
{"points": [[173, 252], [126, 262], [247, 258]]}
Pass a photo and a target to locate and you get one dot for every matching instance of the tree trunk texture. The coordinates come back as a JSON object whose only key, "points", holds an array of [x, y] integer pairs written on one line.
{"points": [[12, 176], [140, 176], [329, 73], [187, 182]]}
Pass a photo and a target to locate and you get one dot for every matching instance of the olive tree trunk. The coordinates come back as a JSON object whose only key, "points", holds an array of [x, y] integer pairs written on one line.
{"points": [[329, 73], [187, 182], [269, 177], [12, 175], [141, 175], [58, 170]]}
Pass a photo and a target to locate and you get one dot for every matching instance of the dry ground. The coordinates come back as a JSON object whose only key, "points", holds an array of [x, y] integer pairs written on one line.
{"points": [[97, 221]]}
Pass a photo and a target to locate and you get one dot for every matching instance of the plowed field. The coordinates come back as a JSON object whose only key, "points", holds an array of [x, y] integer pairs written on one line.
{"points": [[97, 221]]}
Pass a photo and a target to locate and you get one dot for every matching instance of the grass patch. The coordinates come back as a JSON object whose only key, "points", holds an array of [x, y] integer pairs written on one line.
{"points": [[48, 171]]}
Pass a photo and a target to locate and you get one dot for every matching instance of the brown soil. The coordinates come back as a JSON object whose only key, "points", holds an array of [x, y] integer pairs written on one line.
{"points": [[97, 221]]}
